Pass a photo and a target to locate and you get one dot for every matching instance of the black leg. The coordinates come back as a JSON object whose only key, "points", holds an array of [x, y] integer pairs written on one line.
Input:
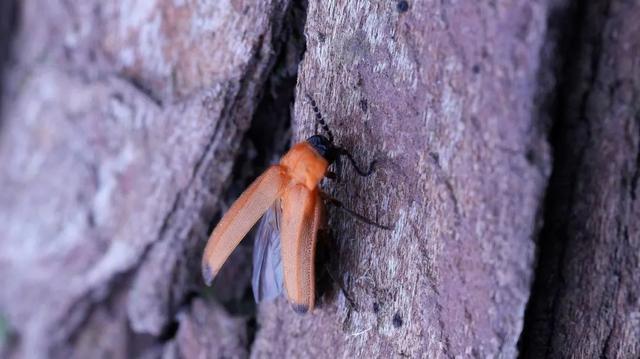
{"points": [[328, 256], [361, 172], [338, 167], [355, 214], [324, 255], [332, 176], [342, 289]]}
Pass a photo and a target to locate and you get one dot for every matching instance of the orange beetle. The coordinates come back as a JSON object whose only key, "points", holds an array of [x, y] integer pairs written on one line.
{"points": [[292, 187]]}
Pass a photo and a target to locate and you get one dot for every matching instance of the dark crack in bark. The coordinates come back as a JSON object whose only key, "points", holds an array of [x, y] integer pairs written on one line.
{"points": [[575, 36], [269, 135], [562, 36], [9, 15]]}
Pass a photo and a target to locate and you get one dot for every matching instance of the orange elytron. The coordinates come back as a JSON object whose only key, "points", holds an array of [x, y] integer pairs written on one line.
{"points": [[292, 187]]}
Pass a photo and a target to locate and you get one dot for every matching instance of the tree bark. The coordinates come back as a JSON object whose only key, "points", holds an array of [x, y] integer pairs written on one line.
{"points": [[506, 137], [585, 301], [442, 97], [123, 121]]}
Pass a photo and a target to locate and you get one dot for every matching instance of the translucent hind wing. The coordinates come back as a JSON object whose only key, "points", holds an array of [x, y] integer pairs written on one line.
{"points": [[266, 279]]}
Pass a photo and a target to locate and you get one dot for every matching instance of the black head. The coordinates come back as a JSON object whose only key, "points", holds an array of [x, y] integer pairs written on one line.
{"points": [[324, 147]]}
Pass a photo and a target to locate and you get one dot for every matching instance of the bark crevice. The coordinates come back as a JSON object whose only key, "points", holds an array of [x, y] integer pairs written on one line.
{"points": [[563, 35], [577, 33], [9, 16]]}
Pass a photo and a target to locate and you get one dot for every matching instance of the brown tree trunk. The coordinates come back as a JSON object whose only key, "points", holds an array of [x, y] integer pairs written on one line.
{"points": [[507, 141]]}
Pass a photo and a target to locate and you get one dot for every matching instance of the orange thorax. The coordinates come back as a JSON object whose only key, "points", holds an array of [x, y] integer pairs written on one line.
{"points": [[304, 165]]}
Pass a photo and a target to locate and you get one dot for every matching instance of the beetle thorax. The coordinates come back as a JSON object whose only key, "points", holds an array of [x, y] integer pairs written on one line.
{"points": [[304, 165]]}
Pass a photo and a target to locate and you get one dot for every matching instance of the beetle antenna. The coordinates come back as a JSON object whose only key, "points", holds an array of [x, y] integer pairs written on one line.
{"points": [[361, 172], [319, 118]]}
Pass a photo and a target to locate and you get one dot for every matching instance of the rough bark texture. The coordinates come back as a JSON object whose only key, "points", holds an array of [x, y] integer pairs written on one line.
{"points": [[441, 96], [500, 130], [586, 299], [123, 121]]}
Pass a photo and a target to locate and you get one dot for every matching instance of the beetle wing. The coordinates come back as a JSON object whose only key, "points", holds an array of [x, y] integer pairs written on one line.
{"points": [[301, 217], [266, 279], [242, 215]]}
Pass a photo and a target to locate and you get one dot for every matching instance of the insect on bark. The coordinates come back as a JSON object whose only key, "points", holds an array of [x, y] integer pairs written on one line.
{"points": [[285, 247]]}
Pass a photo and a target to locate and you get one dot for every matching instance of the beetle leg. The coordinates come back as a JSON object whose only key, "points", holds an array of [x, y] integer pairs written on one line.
{"points": [[325, 260], [350, 300], [353, 213], [360, 171], [338, 167], [332, 176]]}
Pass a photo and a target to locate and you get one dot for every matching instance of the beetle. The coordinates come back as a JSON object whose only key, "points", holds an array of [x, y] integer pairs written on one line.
{"points": [[290, 195]]}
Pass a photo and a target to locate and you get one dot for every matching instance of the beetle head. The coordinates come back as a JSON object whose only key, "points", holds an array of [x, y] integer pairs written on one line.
{"points": [[324, 147]]}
